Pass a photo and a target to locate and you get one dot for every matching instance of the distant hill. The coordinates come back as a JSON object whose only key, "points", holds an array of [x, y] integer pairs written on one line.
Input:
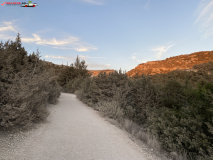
{"points": [[96, 72], [182, 62]]}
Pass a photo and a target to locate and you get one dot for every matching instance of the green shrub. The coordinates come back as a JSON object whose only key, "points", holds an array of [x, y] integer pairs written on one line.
{"points": [[143, 94], [186, 128]]}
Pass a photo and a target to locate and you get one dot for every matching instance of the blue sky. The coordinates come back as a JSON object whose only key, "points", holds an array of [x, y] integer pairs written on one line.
{"points": [[110, 34]]}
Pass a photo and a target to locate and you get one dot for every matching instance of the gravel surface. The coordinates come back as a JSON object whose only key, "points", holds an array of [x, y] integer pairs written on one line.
{"points": [[73, 131]]}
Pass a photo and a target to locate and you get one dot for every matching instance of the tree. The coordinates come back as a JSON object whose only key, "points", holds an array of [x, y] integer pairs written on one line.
{"points": [[77, 63]]}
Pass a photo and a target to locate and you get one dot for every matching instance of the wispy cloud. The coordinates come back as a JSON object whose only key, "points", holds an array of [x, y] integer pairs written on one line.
{"points": [[204, 10], [102, 66], [87, 57], [135, 58], [95, 2], [7, 26], [58, 57], [44, 31], [161, 50], [146, 7], [141, 61], [81, 57], [6, 37], [205, 17], [70, 42]]}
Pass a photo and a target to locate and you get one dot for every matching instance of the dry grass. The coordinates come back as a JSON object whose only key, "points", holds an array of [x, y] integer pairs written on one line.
{"points": [[139, 133], [110, 109]]}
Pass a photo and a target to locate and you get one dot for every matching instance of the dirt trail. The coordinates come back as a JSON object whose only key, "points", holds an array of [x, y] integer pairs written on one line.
{"points": [[73, 131]]}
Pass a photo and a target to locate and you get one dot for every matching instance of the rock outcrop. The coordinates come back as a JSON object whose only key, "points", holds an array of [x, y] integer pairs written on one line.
{"points": [[182, 62]]}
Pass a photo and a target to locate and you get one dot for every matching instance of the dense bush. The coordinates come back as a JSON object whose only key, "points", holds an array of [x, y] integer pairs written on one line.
{"points": [[26, 86]]}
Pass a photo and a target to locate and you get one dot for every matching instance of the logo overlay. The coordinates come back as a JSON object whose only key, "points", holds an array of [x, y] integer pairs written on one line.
{"points": [[23, 4]]}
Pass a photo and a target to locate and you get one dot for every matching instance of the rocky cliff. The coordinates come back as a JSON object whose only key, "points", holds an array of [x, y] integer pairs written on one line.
{"points": [[182, 62]]}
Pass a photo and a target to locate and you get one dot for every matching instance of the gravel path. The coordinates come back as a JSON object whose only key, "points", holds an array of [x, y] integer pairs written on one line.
{"points": [[73, 131]]}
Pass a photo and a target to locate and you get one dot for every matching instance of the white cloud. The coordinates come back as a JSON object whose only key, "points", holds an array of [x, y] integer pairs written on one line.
{"points": [[58, 57], [133, 57], [96, 65], [87, 57], [141, 61], [31, 40], [7, 26], [96, 2], [6, 37], [161, 50], [205, 17], [80, 56]]}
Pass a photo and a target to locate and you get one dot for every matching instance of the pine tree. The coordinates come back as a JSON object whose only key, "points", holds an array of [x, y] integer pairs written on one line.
{"points": [[77, 63], [18, 41]]}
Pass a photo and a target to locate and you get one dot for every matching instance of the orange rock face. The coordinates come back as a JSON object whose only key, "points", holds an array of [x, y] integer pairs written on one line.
{"points": [[96, 72], [183, 62]]}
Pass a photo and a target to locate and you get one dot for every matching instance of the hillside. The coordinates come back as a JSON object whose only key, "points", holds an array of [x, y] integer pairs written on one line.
{"points": [[182, 62]]}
